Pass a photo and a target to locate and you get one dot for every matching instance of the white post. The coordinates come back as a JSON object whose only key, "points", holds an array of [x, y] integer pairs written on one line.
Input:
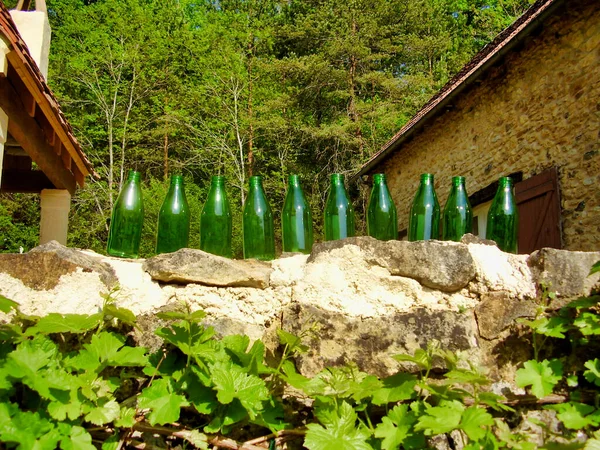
{"points": [[3, 116], [34, 28], [55, 204]]}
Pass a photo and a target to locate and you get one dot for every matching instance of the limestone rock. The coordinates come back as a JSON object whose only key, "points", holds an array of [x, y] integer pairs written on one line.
{"points": [[565, 272], [498, 310], [195, 266], [501, 271], [42, 267], [447, 266], [472, 239], [371, 342]]}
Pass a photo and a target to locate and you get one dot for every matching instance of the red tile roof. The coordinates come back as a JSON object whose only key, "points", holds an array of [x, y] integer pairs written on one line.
{"points": [[468, 74], [30, 74]]}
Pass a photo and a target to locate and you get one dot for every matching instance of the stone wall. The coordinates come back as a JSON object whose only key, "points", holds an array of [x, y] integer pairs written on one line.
{"points": [[366, 299], [539, 108]]}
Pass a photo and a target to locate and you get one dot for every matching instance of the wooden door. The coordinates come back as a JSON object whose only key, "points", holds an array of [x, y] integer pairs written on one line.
{"points": [[539, 212]]}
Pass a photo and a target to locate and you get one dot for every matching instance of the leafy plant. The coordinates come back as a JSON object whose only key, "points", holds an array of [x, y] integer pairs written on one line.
{"points": [[76, 382]]}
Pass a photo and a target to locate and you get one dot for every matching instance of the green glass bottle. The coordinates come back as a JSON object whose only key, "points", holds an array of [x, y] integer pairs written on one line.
{"points": [[458, 217], [503, 217], [173, 219], [339, 214], [424, 220], [215, 220], [127, 220], [382, 218], [296, 219], [257, 224]]}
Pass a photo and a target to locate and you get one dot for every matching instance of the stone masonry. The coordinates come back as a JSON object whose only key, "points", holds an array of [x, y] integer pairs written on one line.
{"points": [[539, 108], [364, 300]]}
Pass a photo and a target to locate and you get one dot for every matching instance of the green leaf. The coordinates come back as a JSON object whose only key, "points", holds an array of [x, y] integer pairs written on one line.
{"points": [[341, 433], [574, 415], [440, 419], [126, 418], [541, 376], [551, 327], [112, 443], [592, 444], [593, 372], [78, 440], [203, 398], [188, 337], [65, 323], [458, 376], [232, 382], [68, 406], [473, 420], [421, 359], [396, 427], [588, 323], [123, 314], [293, 342], [584, 302], [104, 346], [7, 304], [310, 386], [164, 404], [395, 388], [104, 413], [595, 268], [197, 439], [129, 357]]}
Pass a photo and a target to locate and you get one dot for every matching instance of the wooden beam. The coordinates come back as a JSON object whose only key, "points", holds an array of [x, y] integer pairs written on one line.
{"points": [[29, 182], [79, 177], [44, 104], [20, 163], [32, 138]]}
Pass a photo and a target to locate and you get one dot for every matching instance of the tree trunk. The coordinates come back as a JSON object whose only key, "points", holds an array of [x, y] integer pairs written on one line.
{"points": [[250, 56]]}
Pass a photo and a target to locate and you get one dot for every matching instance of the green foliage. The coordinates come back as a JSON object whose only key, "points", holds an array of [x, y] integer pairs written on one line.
{"points": [[67, 381], [238, 88]]}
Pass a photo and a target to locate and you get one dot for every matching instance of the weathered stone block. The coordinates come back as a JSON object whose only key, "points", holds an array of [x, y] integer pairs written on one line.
{"points": [[371, 342], [447, 266], [195, 266], [499, 310], [565, 272], [42, 267]]}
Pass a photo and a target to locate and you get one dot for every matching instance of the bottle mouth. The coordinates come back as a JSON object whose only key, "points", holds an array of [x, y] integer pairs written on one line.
{"points": [[294, 179], [217, 179], [505, 181], [457, 181], [176, 179], [378, 177], [255, 180], [133, 175], [337, 177], [427, 177]]}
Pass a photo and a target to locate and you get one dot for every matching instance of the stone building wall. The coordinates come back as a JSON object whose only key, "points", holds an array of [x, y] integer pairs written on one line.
{"points": [[539, 108]]}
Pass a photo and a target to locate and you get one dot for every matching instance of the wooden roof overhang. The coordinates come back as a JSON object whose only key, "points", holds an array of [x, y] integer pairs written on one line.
{"points": [[38, 131]]}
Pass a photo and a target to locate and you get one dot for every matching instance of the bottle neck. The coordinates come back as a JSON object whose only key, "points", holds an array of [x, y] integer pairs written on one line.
{"points": [[133, 176], [505, 182], [458, 181], [337, 179], [294, 181], [379, 179], [255, 183], [176, 180], [427, 179], [217, 181]]}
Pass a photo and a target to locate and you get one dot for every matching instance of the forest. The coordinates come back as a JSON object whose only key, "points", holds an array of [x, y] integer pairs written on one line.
{"points": [[241, 88]]}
